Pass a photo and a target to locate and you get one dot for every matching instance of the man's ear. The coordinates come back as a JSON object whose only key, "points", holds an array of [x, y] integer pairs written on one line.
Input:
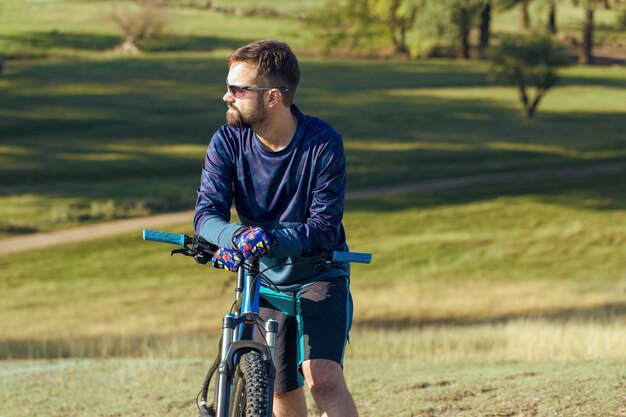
{"points": [[274, 97]]}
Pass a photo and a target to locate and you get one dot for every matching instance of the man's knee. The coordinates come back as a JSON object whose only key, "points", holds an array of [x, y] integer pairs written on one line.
{"points": [[290, 404], [323, 377]]}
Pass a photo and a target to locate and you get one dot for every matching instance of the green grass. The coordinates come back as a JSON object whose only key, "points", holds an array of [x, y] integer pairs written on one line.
{"points": [[390, 388], [93, 139], [79, 28], [495, 300], [487, 255], [89, 136]]}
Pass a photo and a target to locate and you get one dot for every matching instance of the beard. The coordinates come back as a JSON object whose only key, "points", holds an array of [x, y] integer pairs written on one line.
{"points": [[251, 119]]}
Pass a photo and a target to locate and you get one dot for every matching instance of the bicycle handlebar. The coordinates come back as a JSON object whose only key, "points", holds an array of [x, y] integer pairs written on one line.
{"points": [[354, 257], [182, 240], [156, 236]]}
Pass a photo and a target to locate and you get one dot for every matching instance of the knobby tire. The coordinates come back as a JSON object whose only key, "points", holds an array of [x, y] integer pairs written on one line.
{"points": [[250, 393]]}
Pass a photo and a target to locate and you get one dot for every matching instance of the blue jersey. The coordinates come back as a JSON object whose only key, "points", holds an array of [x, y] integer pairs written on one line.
{"points": [[296, 194]]}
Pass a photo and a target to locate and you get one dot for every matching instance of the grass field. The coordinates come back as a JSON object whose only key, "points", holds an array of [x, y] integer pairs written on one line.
{"points": [[89, 136], [399, 388], [490, 253], [90, 140], [493, 300], [501, 300]]}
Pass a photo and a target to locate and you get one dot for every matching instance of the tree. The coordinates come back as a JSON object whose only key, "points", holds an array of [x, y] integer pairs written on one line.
{"points": [[451, 19], [485, 26], [552, 17], [528, 62], [401, 16], [586, 50], [365, 24], [143, 22], [524, 14]]}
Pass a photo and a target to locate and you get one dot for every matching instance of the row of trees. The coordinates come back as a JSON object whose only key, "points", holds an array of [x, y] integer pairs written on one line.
{"points": [[529, 62], [365, 23]]}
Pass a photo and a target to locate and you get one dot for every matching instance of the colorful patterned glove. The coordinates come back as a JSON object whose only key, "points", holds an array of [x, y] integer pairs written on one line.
{"points": [[228, 259], [253, 242]]}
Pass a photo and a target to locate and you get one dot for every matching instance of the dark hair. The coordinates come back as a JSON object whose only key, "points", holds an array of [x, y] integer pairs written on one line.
{"points": [[277, 65]]}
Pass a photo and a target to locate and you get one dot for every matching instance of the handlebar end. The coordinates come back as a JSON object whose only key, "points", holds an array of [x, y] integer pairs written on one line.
{"points": [[355, 257], [164, 237]]}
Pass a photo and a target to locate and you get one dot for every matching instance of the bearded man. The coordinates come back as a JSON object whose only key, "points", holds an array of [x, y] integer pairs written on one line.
{"points": [[285, 172]]}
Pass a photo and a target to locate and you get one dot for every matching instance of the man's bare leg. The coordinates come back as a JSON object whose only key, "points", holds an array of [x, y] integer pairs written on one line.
{"points": [[328, 387], [289, 404]]}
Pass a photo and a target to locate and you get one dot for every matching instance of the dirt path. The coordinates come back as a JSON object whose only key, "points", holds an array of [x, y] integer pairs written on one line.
{"points": [[37, 241]]}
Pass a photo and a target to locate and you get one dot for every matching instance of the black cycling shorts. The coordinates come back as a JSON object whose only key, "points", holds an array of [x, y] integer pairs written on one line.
{"points": [[318, 329]]}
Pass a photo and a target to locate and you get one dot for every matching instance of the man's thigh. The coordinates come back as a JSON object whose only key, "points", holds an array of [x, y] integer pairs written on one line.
{"points": [[325, 310], [318, 331]]}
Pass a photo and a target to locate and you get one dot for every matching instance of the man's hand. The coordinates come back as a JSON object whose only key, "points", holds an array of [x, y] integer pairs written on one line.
{"points": [[227, 258], [253, 242]]}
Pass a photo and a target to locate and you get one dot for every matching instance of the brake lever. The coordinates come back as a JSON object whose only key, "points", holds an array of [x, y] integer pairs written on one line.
{"points": [[185, 251]]}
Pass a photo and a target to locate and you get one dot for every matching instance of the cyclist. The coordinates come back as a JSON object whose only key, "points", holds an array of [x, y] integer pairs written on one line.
{"points": [[285, 172]]}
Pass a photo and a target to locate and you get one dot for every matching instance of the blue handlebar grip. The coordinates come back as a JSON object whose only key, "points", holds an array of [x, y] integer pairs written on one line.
{"points": [[164, 237], [362, 258]]}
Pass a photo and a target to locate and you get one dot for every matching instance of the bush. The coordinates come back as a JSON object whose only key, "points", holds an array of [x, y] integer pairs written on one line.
{"points": [[144, 22], [528, 61]]}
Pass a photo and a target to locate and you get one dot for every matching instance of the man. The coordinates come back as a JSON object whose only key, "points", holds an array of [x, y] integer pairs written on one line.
{"points": [[286, 173]]}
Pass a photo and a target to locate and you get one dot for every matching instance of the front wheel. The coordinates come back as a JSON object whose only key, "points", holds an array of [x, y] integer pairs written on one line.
{"points": [[251, 387]]}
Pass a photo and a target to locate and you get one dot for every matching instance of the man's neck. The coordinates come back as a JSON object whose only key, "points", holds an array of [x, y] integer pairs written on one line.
{"points": [[278, 132]]}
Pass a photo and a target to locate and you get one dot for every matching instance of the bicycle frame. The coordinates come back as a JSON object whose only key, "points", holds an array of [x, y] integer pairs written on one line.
{"points": [[238, 329], [237, 337]]}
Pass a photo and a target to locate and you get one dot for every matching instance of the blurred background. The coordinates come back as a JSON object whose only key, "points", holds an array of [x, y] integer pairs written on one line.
{"points": [[486, 149]]}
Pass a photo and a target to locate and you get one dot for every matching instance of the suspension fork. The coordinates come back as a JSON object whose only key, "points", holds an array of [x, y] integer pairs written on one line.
{"points": [[224, 372], [237, 333], [230, 333]]}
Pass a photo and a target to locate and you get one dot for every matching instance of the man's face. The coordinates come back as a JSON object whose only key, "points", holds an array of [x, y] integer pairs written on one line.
{"points": [[247, 111]]}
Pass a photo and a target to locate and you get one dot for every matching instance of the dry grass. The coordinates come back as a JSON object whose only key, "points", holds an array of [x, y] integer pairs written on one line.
{"points": [[531, 340], [523, 340]]}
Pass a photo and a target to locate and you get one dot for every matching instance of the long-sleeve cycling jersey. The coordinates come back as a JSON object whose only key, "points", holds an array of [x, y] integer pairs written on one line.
{"points": [[296, 194]]}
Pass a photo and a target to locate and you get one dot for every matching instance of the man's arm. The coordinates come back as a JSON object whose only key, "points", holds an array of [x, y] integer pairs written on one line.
{"points": [[215, 194]]}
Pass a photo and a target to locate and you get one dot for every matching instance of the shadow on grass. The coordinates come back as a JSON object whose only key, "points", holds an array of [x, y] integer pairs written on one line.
{"points": [[57, 39], [597, 192], [593, 81], [174, 43], [76, 123], [93, 42]]}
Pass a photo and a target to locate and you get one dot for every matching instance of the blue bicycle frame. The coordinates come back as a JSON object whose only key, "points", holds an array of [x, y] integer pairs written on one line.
{"points": [[238, 329]]}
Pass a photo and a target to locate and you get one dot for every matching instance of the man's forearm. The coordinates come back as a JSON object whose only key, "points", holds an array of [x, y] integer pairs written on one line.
{"points": [[218, 231]]}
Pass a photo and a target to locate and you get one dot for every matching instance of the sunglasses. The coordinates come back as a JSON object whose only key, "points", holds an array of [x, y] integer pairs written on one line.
{"points": [[240, 91]]}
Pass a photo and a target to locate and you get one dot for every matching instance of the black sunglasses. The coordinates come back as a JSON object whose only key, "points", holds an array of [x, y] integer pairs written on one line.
{"points": [[239, 91]]}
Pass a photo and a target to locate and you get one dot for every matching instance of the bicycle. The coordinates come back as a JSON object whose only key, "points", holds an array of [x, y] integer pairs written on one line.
{"points": [[245, 368]]}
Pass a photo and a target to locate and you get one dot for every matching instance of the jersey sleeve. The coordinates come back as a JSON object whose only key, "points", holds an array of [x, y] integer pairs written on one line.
{"points": [[322, 229], [215, 194]]}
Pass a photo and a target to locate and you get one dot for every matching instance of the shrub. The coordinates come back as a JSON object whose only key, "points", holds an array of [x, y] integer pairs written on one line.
{"points": [[528, 62], [143, 22]]}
